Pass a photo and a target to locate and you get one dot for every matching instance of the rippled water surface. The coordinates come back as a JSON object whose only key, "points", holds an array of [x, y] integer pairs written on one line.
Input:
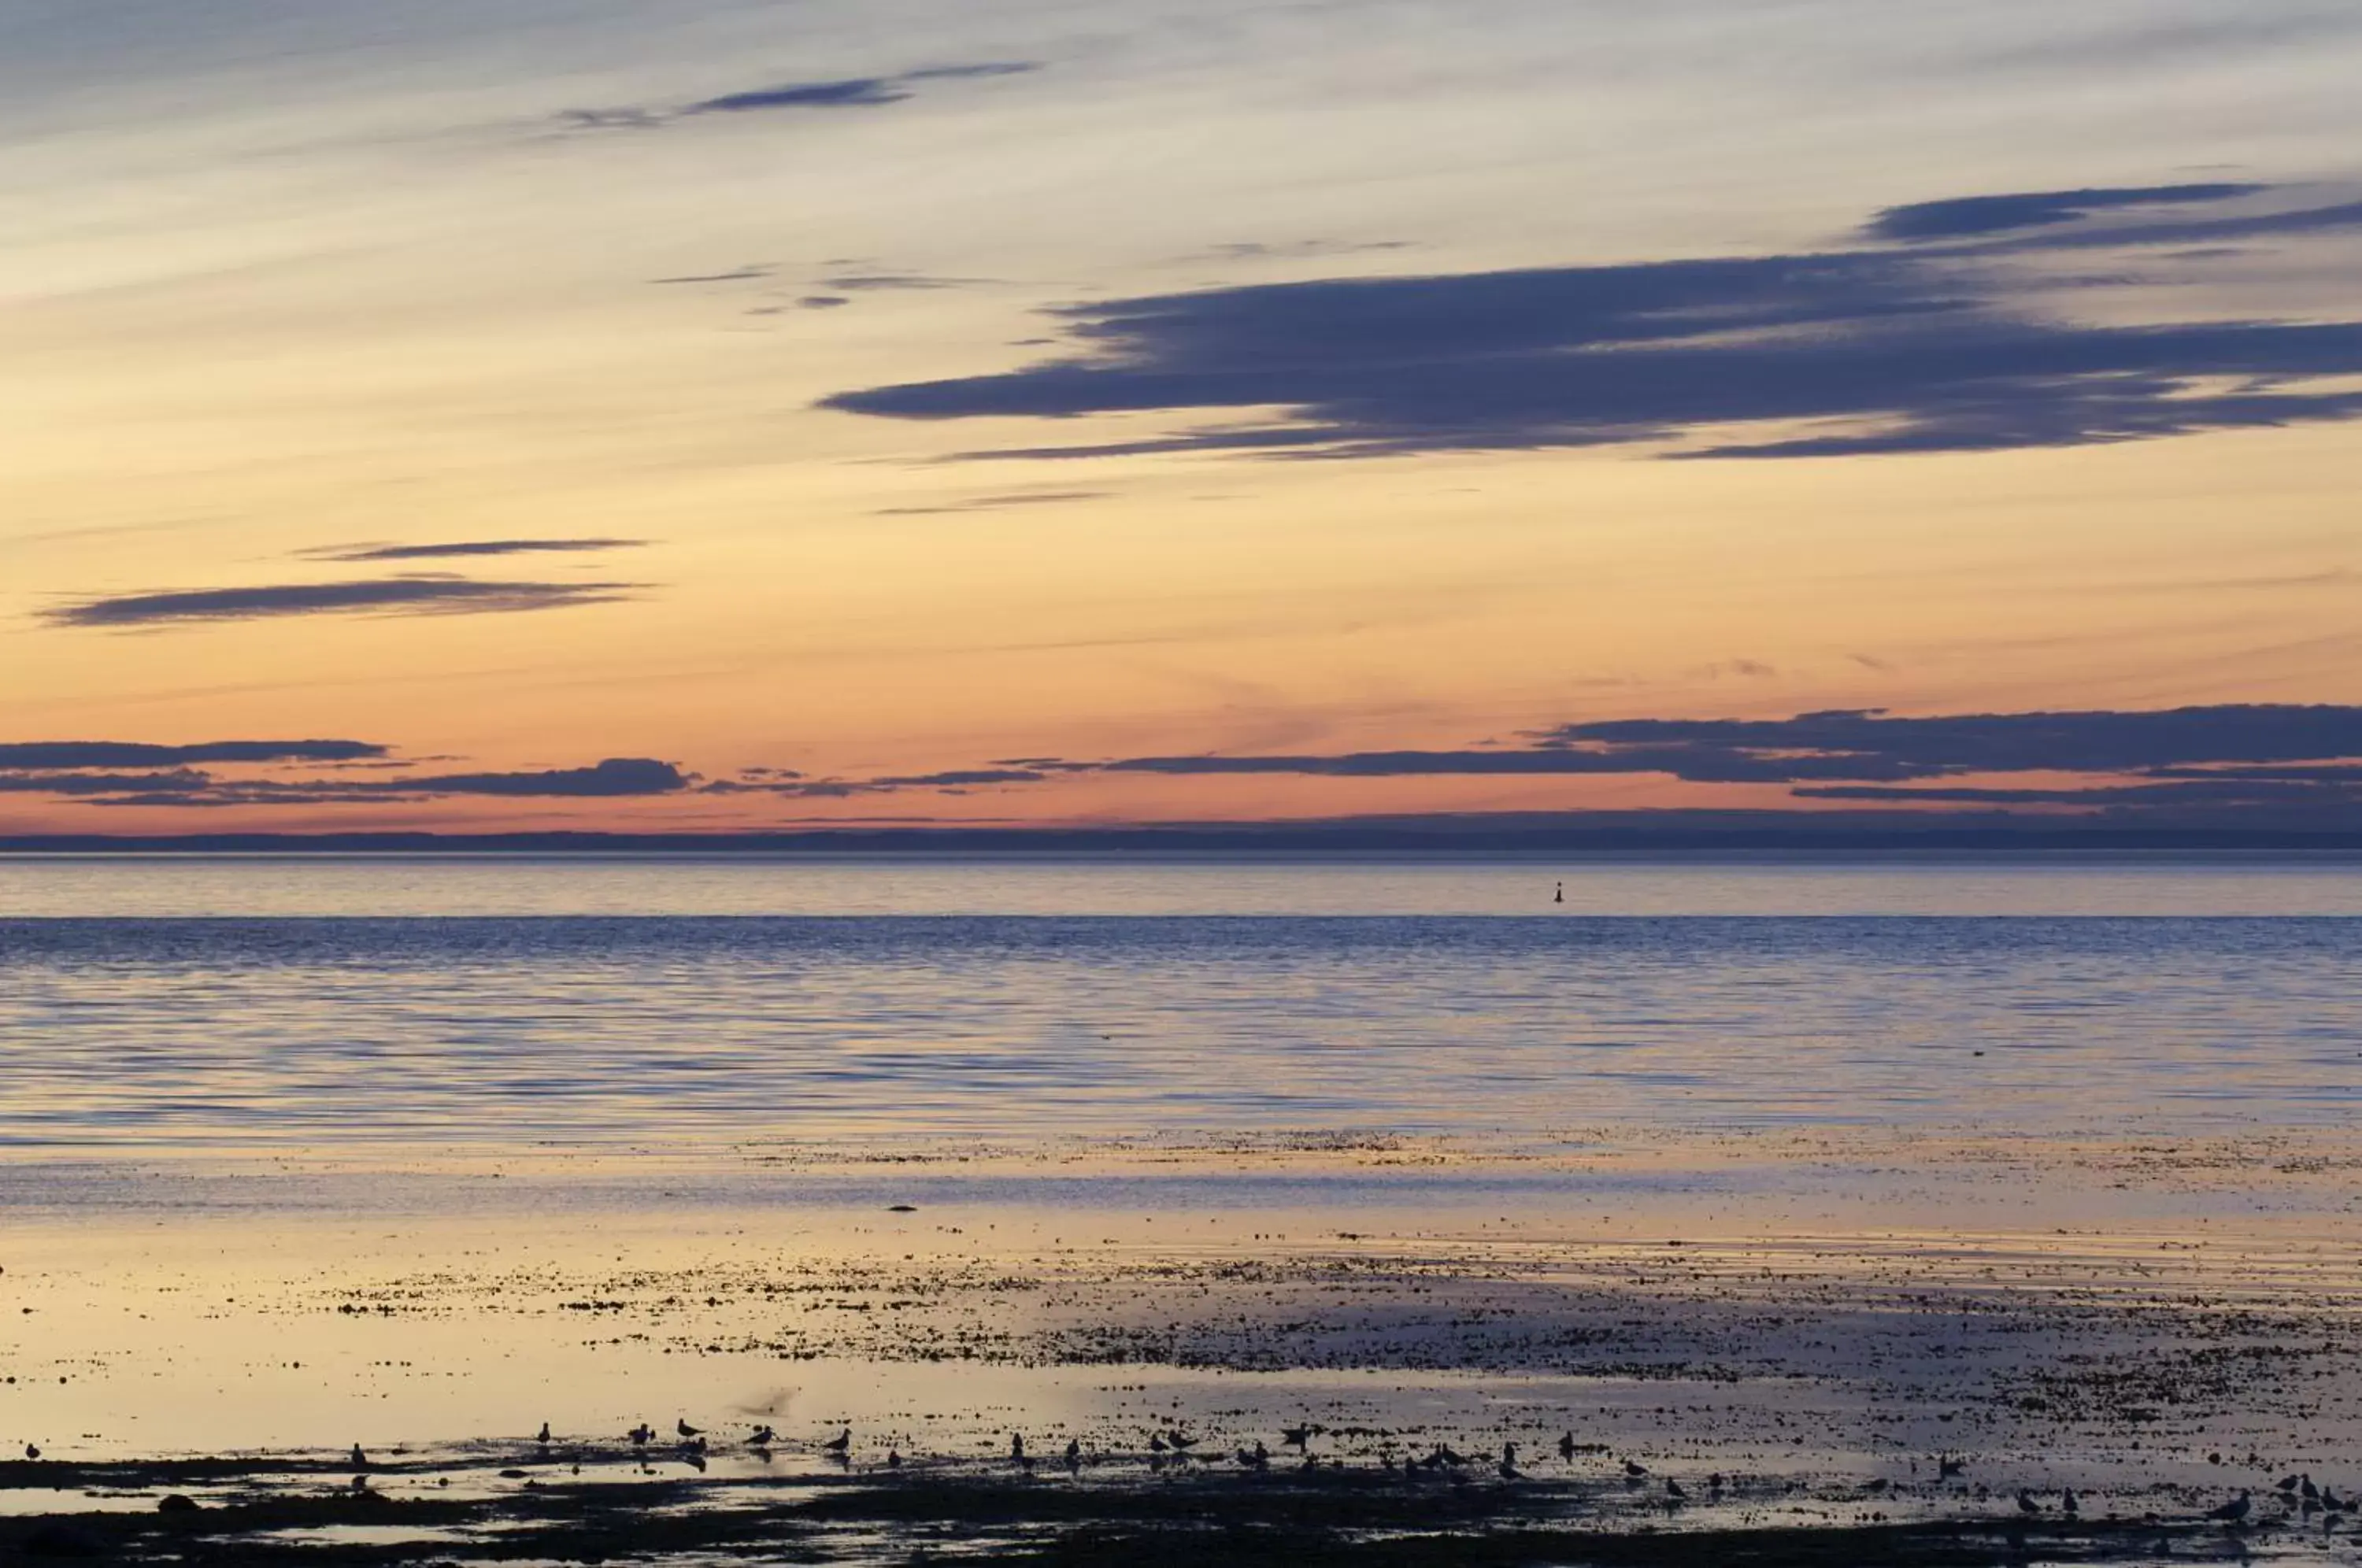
{"points": [[326, 1002]]}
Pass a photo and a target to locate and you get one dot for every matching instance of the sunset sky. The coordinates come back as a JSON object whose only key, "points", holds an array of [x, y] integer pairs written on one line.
{"points": [[706, 414]]}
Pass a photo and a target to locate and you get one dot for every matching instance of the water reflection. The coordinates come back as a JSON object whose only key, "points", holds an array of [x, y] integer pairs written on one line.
{"points": [[126, 1032]]}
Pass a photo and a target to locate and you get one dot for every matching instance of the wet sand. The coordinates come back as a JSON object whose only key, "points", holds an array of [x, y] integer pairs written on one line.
{"points": [[1203, 1516], [1813, 1319]]}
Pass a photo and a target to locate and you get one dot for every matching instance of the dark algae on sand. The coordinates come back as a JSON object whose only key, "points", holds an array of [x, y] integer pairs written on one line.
{"points": [[281, 1511]]}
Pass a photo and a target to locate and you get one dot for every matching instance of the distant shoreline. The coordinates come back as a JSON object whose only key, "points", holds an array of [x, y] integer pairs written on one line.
{"points": [[1722, 834]]}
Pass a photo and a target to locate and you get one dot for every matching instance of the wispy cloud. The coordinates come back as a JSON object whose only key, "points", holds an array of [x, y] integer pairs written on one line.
{"points": [[852, 93], [2231, 792], [2235, 751], [380, 596], [2229, 757], [1963, 215], [71, 785], [33, 756], [2104, 741], [616, 777], [879, 282], [735, 275], [1885, 348], [473, 547], [1295, 250], [997, 503], [822, 94], [795, 786]]}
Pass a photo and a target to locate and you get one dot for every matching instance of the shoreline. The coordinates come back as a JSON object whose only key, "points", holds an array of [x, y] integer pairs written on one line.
{"points": [[1691, 1326], [533, 1505]]}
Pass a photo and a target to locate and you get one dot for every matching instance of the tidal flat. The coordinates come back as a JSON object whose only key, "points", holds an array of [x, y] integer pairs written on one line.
{"points": [[1805, 1346], [1347, 1212]]}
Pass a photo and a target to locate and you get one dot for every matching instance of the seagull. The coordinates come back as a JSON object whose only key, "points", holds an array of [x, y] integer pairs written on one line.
{"points": [[2232, 1511], [2332, 1502], [360, 1483], [2307, 1490], [761, 1437], [1255, 1458], [2025, 1503], [1297, 1437], [1634, 1469], [2288, 1484], [685, 1429], [893, 1459], [1179, 1443], [1017, 1445], [1074, 1454], [360, 1460], [1673, 1492], [1508, 1467], [642, 1435], [33, 1451], [1946, 1466], [837, 1445], [1446, 1454], [544, 1438], [1566, 1446], [1157, 1443], [2068, 1505]]}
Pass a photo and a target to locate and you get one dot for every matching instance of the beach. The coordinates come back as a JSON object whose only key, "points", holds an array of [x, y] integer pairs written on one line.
{"points": [[1644, 1336], [1804, 1358]]}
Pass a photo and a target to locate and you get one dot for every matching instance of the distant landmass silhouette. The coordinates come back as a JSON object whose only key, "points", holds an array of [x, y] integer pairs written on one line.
{"points": [[1484, 833]]}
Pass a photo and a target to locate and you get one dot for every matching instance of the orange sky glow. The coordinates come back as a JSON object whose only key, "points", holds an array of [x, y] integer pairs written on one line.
{"points": [[937, 413]]}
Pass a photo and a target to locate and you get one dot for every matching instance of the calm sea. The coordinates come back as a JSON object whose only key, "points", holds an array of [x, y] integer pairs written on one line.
{"points": [[325, 1002]]}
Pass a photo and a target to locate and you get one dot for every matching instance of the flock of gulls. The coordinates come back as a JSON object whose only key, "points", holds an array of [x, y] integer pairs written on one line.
{"points": [[2297, 1494]]}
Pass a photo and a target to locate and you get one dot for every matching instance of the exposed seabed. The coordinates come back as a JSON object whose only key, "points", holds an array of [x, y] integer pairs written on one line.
{"points": [[553, 1507]]}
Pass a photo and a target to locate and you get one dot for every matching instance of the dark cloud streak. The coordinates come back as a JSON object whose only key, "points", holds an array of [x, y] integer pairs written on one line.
{"points": [[35, 756], [177, 782], [2230, 792], [2234, 751], [613, 777], [876, 282], [736, 275], [468, 548], [1829, 354], [820, 95], [2089, 741], [851, 93], [1964, 215], [616, 777], [1001, 502], [381, 596]]}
